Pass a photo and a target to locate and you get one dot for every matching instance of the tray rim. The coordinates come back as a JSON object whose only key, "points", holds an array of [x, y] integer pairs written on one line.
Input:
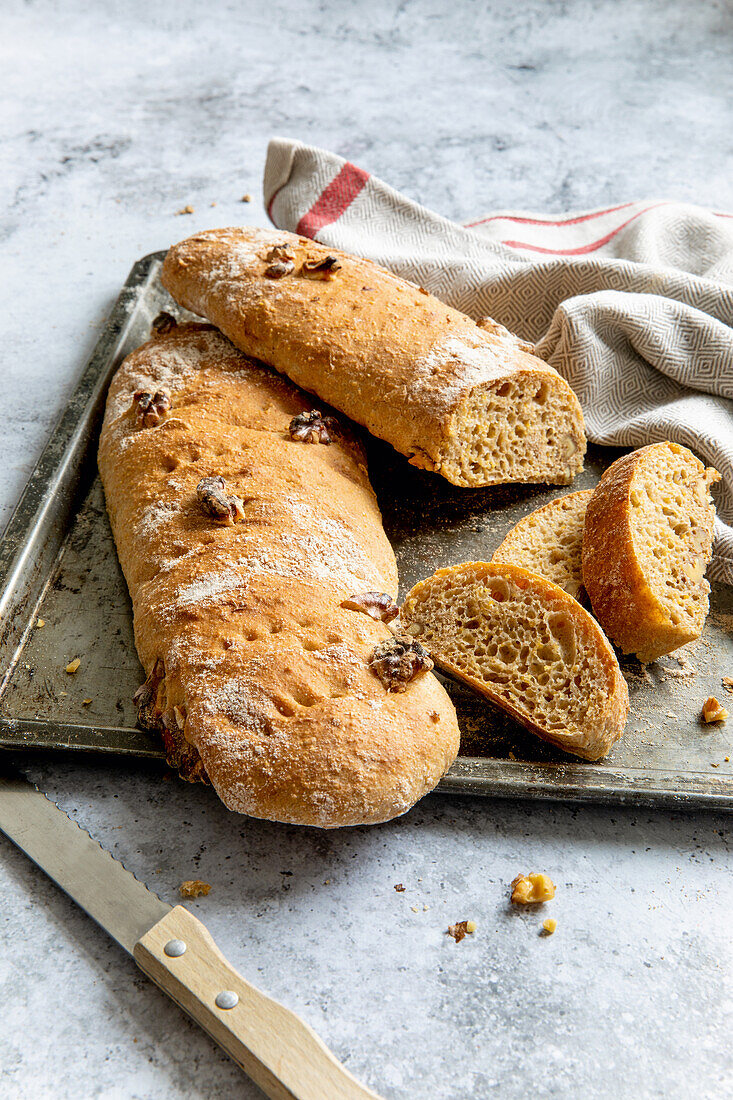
{"points": [[69, 441]]}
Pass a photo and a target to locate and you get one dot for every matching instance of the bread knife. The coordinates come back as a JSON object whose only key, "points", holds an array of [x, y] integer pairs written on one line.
{"points": [[273, 1046]]}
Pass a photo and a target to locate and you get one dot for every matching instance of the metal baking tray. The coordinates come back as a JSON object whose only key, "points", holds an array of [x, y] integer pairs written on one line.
{"points": [[58, 567]]}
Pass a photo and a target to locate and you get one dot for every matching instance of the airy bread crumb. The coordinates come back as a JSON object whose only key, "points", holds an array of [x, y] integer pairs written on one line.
{"points": [[526, 645], [549, 541], [646, 542]]}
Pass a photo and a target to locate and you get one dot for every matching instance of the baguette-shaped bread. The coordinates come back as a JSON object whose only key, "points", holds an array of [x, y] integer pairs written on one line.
{"points": [[527, 646], [258, 676], [467, 400], [549, 541], [647, 541]]}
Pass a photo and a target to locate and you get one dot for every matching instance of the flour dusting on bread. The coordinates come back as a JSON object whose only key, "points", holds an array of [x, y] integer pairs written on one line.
{"points": [[259, 678]]}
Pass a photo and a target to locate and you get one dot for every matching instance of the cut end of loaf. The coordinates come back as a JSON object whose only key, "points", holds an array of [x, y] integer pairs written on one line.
{"points": [[527, 646], [672, 518], [525, 428], [649, 531], [549, 541]]}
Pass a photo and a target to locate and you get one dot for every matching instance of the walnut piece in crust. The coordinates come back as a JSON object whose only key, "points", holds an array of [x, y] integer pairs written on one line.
{"points": [[312, 427], [398, 661], [151, 408], [713, 711], [320, 269], [182, 756], [377, 604], [194, 888], [279, 262], [164, 323], [147, 698], [214, 501], [532, 889]]}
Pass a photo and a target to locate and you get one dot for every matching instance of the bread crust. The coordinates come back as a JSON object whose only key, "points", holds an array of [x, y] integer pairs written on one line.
{"points": [[260, 670], [412, 370], [591, 741], [616, 574]]}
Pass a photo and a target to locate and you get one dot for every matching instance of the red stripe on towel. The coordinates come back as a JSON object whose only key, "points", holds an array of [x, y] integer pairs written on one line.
{"points": [[334, 200], [548, 221], [584, 249]]}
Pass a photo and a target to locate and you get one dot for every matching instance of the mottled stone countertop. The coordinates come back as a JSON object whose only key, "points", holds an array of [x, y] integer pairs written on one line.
{"points": [[115, 117]]}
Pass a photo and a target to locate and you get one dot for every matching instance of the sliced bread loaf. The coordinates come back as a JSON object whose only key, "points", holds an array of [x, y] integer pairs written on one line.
{"points": [[549, 541], [527, 646], [647, 540], [467, 400]]}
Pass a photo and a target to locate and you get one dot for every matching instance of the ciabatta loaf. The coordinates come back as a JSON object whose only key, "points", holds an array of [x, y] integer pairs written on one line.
{"points": [[647, 541], [261, 582], [467, 400], [549, 541], [527, 646]]}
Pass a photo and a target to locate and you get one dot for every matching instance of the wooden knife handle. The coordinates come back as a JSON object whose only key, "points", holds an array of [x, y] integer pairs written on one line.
{"points": [[272, 1045]]}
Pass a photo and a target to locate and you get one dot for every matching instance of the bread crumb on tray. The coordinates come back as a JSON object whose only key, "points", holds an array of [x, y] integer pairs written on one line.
{"points": [[713, 711], [548, 926], [194, 888]]}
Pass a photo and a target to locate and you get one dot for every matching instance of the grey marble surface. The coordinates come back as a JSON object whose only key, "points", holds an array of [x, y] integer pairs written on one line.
{"points": [[116, 116]]}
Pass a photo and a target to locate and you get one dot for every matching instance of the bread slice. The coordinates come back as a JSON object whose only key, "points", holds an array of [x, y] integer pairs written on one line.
{"points": [[549, 541], [467, 400], [527, 646], [251, 598], [647, 541]]}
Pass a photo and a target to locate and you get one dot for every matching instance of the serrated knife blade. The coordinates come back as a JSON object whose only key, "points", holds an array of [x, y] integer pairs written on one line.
{"points": [[97, 881], [272, 1045]]}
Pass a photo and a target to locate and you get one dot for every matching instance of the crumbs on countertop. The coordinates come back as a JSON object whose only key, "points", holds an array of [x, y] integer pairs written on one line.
{"points": [[194, 888], [460, 930], [532, 889]]}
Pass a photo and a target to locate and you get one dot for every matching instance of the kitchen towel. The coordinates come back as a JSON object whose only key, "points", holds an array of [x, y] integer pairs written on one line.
{"points": [[633, 305]]}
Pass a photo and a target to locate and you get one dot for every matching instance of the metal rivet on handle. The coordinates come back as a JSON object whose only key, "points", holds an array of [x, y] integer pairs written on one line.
{"points": [[175, 948], [226, 999]]}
